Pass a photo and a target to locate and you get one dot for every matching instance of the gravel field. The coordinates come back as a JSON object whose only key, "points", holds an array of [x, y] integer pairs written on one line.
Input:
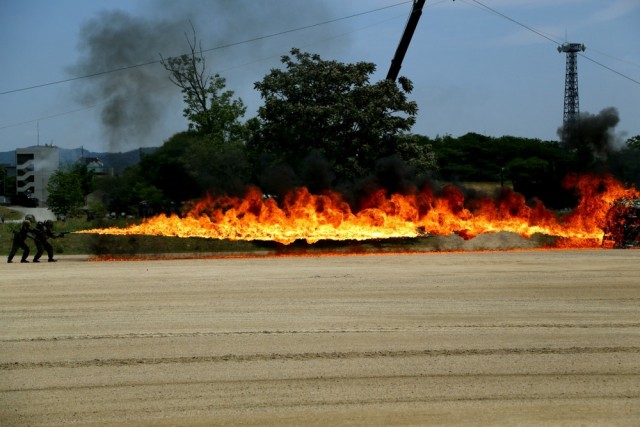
{"points": [[475, 338]]}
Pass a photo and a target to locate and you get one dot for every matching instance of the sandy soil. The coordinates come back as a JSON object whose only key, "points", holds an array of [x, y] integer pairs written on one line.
{"points": [[509, 338]]}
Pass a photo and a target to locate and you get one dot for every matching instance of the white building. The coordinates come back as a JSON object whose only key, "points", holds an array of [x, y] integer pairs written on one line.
{"points": [[34, 167]]}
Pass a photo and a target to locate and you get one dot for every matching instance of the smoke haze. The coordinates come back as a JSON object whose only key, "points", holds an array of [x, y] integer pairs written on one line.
{"points": [[131, 101], [134, 102], [592, 134]]}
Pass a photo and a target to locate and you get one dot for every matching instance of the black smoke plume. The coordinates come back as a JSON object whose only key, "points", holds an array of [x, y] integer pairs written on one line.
{"points": [[136, 100], [131, 101], [592, 137]]}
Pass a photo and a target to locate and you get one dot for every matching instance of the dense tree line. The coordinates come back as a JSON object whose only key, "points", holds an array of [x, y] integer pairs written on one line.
{"points": [[532, 167], [323, 125]]}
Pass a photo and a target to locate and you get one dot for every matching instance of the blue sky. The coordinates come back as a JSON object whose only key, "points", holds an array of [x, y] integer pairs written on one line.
{"points": [[473, 70]]}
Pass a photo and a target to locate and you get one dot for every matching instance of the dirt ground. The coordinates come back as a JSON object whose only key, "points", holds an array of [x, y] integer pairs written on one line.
{"points": [[482, 338]]}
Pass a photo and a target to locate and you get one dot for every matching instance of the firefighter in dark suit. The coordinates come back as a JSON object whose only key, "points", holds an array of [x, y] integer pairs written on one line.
{"points": [[44, 232], [19, 242]]}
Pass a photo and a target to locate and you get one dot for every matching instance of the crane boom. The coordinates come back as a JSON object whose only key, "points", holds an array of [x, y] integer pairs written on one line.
{"points": [[396, 62]]}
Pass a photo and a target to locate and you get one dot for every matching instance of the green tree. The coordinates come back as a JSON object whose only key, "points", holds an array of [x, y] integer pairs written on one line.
{"points": [[66, 187], [188, 165], [86, 177], [625, 163], [418, 152], [210, 109], [535, 168], [212, 156], [219, 168], [128, 191], [330, 108], [634, 142], [527, 173], [168, 169]]}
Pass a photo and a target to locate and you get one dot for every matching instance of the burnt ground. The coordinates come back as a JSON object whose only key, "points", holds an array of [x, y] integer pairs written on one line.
{"points": [[524, 337]]}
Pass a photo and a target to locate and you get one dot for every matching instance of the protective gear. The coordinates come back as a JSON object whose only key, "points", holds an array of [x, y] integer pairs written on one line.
{"points": [[42, 234], [19, 238]]}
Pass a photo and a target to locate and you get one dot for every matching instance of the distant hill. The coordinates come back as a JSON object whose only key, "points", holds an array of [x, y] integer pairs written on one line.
{"points": [[7, 157], [117, 161]]}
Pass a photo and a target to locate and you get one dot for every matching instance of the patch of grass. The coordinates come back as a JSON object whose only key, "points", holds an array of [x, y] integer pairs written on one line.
{"points": [[10, 214], [95, 244], [140, 245]]}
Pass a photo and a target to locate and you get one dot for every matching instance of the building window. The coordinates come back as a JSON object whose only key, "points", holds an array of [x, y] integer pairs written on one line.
{"points": [[23, 158]]}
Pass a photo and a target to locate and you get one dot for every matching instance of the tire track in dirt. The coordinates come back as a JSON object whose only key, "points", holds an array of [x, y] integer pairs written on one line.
{"points": [[568, 376], [319, 355], [323, 331]]}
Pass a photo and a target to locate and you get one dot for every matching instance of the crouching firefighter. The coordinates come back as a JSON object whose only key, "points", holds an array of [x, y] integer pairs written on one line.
{"points": [[19, 238], [44, 232]]}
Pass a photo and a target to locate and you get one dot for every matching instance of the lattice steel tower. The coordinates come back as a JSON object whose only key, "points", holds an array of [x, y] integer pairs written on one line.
{"points": [[571, 100]]}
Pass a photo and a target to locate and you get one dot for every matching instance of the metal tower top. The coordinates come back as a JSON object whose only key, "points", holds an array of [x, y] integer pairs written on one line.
{"points": [[571, 47], [571, 100]]}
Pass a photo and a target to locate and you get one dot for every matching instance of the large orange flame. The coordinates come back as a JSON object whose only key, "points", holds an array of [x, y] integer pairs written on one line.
{"points": [[312, 217]]}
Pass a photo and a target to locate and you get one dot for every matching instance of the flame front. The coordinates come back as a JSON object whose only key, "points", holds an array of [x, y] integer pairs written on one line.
{"points": [[305, 216]]}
